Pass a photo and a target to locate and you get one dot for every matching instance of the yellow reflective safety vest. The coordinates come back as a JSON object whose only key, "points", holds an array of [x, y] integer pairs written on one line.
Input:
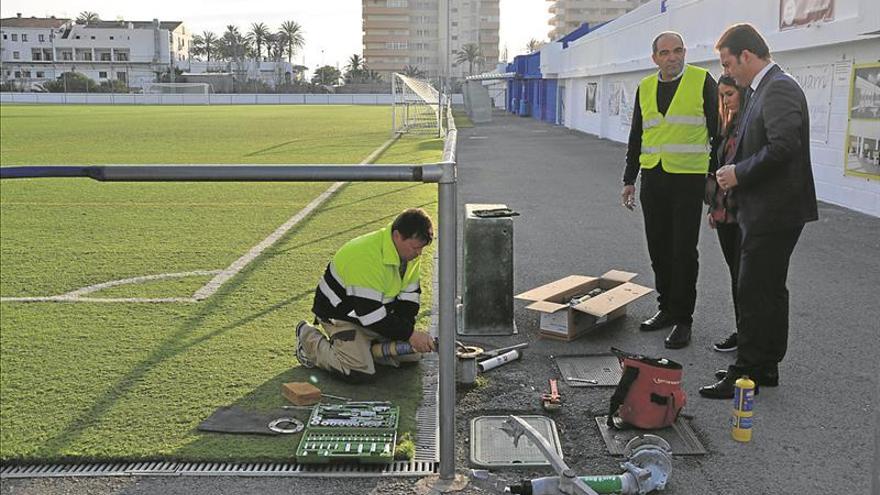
{"points": [[363, 285], [679, 139]]}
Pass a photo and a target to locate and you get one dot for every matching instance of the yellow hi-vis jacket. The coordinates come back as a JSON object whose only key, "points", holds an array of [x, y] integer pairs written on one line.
{"points": [[362, 284], [679, 139]]}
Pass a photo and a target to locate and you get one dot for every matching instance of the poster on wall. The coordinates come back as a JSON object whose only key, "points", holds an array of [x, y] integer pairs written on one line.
{"points": [[862, 157], [816, 81], [592, 89], [627, 100], [800, 13], [614, 100]]}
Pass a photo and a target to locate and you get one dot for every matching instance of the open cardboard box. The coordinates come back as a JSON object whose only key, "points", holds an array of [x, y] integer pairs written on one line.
{"points": [[561, 321]]}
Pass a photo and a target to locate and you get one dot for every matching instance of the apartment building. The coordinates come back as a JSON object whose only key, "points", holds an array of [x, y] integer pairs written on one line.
{"points": [[33, 50], [427, 34], [568, 15]]}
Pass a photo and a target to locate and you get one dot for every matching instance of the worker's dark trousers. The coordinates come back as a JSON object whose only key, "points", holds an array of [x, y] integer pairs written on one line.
{"points": [[673, 208]]}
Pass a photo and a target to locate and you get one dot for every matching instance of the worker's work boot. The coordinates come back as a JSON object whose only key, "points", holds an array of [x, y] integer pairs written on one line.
{"points": [[301, 356]]}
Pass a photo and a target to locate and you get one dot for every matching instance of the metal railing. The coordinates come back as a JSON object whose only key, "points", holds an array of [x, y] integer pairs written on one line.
{"points": [[443, 173]]}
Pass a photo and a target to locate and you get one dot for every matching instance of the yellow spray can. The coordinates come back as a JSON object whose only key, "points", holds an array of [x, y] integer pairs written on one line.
{"points": [[743, 400]]}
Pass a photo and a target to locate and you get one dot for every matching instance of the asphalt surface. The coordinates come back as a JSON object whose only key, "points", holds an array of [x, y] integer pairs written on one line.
{"points": [[814, 434]]}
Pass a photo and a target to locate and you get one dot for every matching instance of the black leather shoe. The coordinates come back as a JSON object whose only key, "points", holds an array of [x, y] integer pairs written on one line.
{"points": [[765, 379], [721, 390], [659, 321], [679, 337]]}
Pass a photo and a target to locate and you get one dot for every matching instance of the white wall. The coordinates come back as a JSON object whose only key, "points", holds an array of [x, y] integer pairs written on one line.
{"points": [[617, 56], [213, 99]]}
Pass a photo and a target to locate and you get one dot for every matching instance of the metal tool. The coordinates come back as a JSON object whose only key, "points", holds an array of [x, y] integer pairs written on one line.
{"points": [[337, 397], [552, 401], [502, 350], [582, 380]]}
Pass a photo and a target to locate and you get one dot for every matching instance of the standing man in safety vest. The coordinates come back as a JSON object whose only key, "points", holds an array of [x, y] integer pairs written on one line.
{"points": [[674, 124], [369, 292]]}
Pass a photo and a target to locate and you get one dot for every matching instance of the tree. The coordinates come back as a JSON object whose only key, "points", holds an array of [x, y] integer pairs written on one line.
{"points": [[234, 45], [73, 82], [291, 34], [534, 45], [355, 70], [326, 75], [210, 43], [87, 17], [469, 53], [413, 71], [259, 34]]}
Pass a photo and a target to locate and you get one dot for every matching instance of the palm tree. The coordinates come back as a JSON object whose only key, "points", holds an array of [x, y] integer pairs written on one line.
{"points": [[292, 34], [355, 70], [413, 71], [209, 42], [534, 45], [259, 33], [469, 53], [355, 63], [87, 17]]}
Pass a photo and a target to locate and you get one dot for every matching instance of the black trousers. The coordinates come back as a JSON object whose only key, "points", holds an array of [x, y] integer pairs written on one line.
{"points": [[763, 298], [730, 239], [673, 208]]}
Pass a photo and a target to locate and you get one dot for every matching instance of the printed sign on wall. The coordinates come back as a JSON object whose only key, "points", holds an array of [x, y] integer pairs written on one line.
{"points": [[592, 89], [799, 13], [816, 83], [863, 134]]}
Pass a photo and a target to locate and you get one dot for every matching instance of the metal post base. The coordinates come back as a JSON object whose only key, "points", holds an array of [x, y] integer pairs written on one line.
{"points": [[433, 484]]}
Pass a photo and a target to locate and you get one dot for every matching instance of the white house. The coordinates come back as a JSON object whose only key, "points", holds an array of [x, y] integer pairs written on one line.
{"points": [[34, 49]]}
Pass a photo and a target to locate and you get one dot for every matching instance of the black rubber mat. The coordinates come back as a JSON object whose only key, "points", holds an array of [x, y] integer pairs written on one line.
{"points": [[603, 369], [680, 435], [492, 447]]}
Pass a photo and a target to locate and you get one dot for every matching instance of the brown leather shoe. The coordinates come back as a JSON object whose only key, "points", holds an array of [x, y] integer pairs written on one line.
{"points": [[659, 321]]}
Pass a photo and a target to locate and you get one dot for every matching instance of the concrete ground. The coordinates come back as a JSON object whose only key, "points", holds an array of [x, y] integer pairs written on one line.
{"points": [[814, 434]]}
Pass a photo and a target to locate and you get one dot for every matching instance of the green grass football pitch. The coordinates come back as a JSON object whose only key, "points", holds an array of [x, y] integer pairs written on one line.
{"points": [[100, 381]]}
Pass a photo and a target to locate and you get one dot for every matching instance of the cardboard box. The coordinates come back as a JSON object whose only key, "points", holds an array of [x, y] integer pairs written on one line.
{"points": [[561, 321]]}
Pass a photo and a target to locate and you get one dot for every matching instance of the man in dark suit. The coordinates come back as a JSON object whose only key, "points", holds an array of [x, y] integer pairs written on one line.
{"points": [[773, 179]]}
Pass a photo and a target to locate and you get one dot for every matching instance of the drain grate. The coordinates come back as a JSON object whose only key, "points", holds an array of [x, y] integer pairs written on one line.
{"points": [[603, 368], [681, 437], [398, 468]]}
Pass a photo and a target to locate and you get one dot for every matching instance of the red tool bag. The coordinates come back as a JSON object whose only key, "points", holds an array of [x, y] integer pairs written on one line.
{"points": [[649, 394]]}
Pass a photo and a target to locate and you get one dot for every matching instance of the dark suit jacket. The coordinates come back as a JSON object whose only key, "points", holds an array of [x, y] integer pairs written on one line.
{"points": [[775, 188]]}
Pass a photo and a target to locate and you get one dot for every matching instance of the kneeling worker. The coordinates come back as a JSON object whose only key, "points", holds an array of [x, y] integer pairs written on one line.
{"points": [[369, 292]]}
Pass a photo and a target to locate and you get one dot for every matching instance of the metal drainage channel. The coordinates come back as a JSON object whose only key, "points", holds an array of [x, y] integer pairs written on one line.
{"points": [[424, 463]]}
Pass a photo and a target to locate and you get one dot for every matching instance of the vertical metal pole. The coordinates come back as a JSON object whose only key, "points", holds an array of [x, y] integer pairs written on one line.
{"points": [[393, 103], [448, 279]]}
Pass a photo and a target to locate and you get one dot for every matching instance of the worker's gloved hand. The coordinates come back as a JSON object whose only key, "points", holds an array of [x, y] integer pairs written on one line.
{"points": [[421, 342]]}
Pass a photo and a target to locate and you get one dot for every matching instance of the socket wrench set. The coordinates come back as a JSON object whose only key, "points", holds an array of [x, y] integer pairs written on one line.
{"points": [[351, 432]]}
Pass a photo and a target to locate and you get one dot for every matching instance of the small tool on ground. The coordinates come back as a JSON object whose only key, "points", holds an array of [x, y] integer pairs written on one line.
{"points": [[582, 380], [552, 401]]}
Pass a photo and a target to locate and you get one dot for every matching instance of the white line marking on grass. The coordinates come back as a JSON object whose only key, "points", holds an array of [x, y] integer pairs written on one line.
{"points": [[77, 295], [238, 265], [220, 276]]}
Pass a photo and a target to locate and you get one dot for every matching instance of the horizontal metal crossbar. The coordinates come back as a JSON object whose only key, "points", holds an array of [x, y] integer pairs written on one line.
{"points": [[233, 173]]}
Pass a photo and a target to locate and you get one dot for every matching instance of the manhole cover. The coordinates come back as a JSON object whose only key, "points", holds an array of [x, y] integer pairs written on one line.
{"points": [[680, 435], [492, 447], [589, 370]]}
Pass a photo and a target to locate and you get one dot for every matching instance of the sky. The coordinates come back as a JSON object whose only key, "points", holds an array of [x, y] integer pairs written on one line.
{"points": [[332, 27]]}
